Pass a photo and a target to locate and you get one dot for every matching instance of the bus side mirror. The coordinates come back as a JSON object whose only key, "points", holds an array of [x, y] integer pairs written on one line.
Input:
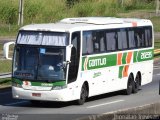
{"points": [[6, 50], [68, 53]]}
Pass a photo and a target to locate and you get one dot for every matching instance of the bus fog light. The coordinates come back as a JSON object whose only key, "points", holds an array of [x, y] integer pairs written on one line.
{"points": [[17, 96]]}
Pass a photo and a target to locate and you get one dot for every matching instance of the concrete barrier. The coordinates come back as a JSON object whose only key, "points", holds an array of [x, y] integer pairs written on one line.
{"points": [[145, 112]]}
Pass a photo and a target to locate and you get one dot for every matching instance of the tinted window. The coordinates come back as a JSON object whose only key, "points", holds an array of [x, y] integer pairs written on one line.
{"points": [[87, 43], [122, 39], [111, 40], [139, 37], [148, 36], [131, 39]]}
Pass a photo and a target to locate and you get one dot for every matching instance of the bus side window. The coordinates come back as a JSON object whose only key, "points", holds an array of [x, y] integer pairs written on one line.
{"points": [[87, 43], [131, 38], [102, 41], [122, 39], [111, 41], [75, 56], [139, 37], [148, 36], [96, 40]]}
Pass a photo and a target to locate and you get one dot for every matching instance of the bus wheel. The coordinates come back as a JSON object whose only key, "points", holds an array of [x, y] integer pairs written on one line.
{"points": [[129, 85], [83, 95], [136, 84]]}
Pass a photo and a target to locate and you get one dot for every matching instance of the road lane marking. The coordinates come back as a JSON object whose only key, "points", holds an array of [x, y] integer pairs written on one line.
{"points": [[156, 68], [5, 93], [158, 74], [16, 103], [105, 103]]}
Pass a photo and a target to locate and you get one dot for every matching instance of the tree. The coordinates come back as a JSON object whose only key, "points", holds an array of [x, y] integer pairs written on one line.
{"points": [[157, 7]]}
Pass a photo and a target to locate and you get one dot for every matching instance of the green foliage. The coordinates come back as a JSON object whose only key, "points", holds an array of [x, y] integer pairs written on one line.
{"points": [[8, 11], [156, 22], [5, 82], [157, 44], [38, 11], [138, 4], [70, 3], [83, 9], [44, 11], [6, 65], [32, 10]]}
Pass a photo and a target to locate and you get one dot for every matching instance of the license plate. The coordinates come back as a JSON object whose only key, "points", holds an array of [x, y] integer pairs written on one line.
{"points": [[36, 94]]}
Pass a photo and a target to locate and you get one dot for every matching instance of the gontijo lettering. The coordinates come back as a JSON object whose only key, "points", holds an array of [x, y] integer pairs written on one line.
{"points": [[97, 62]]}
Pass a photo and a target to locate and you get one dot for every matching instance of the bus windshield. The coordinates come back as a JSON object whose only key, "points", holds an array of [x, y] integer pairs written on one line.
{"points": [[39, 63]]}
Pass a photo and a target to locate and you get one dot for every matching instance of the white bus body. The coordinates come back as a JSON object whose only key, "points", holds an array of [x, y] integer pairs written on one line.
{"points": [[78, 58]]}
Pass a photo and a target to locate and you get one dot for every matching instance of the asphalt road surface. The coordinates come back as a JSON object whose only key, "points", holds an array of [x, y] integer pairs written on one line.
{"points": [[23, 109]]}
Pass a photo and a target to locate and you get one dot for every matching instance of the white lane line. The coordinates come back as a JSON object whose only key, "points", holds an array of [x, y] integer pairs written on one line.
{"points": [[16, 103], [156, 68], [5, 93], [105, 103]]}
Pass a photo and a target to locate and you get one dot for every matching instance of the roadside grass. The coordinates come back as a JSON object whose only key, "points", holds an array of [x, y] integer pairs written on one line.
{"points": [[46, 11], [137, 14], [5, 65], [8, 29], [157, 44], [146, 14], [156, 23], [5, 82]]}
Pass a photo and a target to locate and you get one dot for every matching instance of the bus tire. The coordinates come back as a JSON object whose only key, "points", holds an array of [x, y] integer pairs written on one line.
{"points": [[130, 83], [83, 95], [136, 84]]}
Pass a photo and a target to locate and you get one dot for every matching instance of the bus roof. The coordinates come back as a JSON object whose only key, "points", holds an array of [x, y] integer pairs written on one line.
{"points": [[83, 23]]}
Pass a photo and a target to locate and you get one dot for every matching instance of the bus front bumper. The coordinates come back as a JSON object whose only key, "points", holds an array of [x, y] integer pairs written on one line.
{"points": [[52, 95]]}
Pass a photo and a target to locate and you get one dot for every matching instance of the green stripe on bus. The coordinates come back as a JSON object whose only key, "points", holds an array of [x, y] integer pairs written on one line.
{"points": [[135, 56], [143, 55], [120, 71], [46, 84], [124, 58], [96, 62], [99, 61], [59, 83], [17, 81]]}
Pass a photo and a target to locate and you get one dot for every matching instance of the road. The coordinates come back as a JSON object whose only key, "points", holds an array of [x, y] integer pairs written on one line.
{"points": [[69, 111]]}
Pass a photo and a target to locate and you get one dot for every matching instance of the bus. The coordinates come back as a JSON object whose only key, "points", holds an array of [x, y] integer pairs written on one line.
{"points": [[77, 58]]}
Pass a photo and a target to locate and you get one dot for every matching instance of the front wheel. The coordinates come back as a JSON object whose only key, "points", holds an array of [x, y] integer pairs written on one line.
{"points": [[83, 95]]}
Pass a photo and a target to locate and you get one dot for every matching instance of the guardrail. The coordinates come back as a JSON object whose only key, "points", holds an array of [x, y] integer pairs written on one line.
{"points": [[156, 52]]}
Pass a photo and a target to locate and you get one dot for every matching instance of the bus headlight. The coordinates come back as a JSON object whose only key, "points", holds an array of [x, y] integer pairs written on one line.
{"points": [[16, 85], [59, 87]]}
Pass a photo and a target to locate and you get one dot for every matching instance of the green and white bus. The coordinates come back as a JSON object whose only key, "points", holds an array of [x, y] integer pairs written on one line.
{"points": [[77, 58]]}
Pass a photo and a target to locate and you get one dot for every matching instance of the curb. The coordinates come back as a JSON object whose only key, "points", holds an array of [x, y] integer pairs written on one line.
{"points": [[5, 87], [148, 111]]}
